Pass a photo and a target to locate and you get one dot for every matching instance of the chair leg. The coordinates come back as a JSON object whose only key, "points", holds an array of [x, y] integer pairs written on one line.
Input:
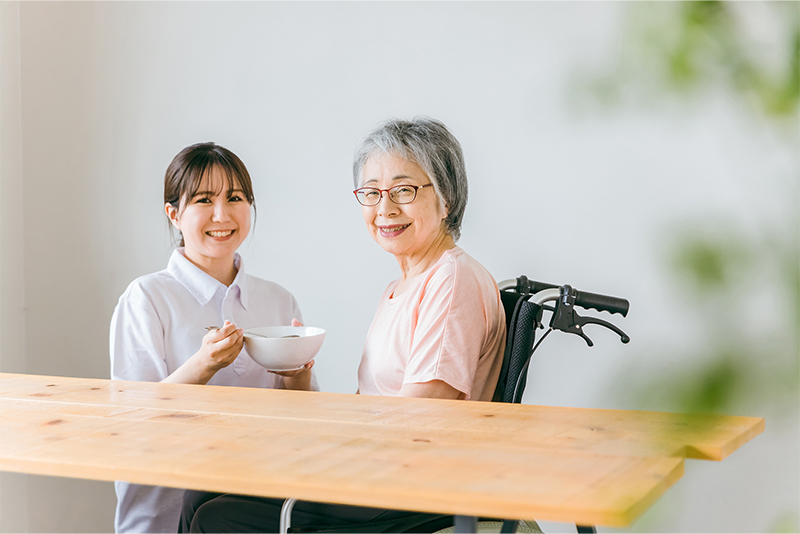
{"points": [[582, 529], [286, 515], [465, 523], [509, 526]]}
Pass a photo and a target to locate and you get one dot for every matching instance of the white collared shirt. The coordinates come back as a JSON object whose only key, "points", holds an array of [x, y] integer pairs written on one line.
{"points": [[158, 324], [160, 321]]}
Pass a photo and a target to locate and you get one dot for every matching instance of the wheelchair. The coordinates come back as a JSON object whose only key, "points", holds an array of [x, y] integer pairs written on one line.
{"points": [[524, 302]]}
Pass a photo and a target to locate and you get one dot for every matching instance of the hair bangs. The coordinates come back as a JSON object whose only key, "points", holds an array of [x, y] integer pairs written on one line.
{"points": [[211, 172]]}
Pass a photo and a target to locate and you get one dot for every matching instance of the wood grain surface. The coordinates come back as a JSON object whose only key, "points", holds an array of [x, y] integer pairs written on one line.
{"points": [[589, 466]]}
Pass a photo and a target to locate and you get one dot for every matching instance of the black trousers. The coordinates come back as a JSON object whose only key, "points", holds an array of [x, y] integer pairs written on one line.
{"points": [[214, 512]]}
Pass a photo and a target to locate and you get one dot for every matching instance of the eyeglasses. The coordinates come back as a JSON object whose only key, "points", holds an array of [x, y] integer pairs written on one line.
{"points": [[399, 194]]}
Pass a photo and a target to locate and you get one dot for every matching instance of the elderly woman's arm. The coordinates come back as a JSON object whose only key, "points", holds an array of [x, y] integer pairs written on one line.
{"points": [[435, 389]]}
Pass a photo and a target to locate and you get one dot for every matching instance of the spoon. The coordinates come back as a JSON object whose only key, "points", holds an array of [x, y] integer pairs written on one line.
{"points": [[253, 334]]}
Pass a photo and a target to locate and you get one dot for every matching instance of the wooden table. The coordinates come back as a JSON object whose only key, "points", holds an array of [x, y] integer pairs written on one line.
{"points": [[587, 466]]}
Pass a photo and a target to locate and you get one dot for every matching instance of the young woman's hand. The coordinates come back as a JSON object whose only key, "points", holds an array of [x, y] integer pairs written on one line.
{"points": [[218, 349], [290, 374], [221, 346]]}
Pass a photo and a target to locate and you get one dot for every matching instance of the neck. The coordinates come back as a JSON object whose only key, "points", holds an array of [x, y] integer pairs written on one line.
{"points": [[222, 269], [413, 264]]}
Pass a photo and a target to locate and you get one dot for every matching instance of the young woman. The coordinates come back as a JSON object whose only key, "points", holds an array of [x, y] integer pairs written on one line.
{"points": [[158, 330]]}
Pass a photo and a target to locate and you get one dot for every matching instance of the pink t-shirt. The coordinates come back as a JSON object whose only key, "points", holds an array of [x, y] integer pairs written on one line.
{"points": [[448, 325]]}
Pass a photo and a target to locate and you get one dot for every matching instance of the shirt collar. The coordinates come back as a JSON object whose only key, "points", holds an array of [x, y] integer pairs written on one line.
{"points": [[202, 285]]}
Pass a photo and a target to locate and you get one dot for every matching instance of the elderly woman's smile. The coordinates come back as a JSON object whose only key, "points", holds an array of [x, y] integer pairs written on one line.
{"points": [[394, 230], [408, 230]]}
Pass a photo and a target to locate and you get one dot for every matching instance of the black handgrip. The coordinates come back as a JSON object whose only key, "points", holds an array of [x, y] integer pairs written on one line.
{"points": [[535, 286], [532, 286], [584, 299]]}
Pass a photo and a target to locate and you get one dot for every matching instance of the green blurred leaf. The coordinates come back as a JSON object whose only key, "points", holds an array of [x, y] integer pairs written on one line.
{"points": [[685, 46], [787, 522], [709, 263], [715, 387], [703, 13]]}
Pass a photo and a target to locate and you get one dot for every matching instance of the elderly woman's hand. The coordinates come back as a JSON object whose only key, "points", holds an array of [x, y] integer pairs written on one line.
{"points": [[435, 389]]}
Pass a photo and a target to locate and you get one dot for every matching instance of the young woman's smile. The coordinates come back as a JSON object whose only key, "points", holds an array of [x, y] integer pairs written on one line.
{"points": [[220, 234]]}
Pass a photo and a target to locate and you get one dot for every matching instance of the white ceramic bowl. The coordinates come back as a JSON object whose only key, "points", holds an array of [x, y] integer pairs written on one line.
{"points": [[278, 353]]}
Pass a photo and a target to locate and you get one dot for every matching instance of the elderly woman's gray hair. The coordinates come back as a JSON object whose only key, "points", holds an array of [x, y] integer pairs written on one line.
{"points": [[428, 143]]}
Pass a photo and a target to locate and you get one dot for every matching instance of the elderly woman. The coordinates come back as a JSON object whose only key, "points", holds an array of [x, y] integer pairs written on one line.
{"points": [[439, 330]]}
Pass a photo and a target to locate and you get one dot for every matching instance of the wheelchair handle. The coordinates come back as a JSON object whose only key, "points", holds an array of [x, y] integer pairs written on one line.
{"points": [[523, 286], [584, 299]]}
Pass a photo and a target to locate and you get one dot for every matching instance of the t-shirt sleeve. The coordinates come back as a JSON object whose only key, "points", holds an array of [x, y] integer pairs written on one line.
{"points": [[450, 330], [136, 342]]}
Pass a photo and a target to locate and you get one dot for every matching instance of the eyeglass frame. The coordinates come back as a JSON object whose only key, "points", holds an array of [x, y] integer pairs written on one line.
{"points": [[416, 189]]}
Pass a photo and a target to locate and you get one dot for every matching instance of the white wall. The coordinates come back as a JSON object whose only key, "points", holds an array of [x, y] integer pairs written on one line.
{"points": [[13, 488], [110, 92], [12, 346]]}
